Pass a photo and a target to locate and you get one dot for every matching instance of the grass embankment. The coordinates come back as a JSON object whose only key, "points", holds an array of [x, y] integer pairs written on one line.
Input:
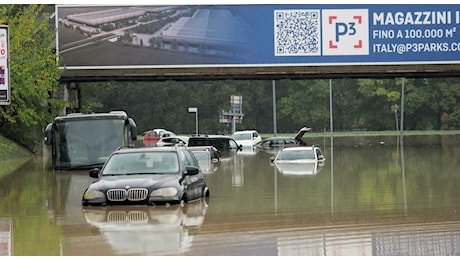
{"points": [[12, 156]]}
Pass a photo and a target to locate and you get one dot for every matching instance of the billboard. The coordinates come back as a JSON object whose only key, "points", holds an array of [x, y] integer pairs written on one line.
{"points": [[187, 36], [5, 91]]}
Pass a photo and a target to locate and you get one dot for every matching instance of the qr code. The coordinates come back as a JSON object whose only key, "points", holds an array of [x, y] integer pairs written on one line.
{"points": [[297, 33]]}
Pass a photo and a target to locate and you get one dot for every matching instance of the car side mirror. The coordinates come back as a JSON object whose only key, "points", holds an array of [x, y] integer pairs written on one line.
{"points": [[132, 128], [94, 173], [48, 133], [192, 170]]}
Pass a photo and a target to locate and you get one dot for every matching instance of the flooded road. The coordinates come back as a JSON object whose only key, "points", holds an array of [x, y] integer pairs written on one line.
{"points": [[371, 197]]}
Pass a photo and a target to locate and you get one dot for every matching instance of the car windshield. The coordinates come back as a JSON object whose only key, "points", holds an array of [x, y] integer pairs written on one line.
{"points": [[296, 155], [203, 158], [158, 162], [242, 136]]}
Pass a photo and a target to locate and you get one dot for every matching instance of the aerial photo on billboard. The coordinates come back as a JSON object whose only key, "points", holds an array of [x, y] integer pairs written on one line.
{"points": [[242, 35]]}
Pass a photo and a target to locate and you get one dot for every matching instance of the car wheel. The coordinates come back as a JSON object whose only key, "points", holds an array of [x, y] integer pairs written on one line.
{"points": [[183, 200], [205, 192]]}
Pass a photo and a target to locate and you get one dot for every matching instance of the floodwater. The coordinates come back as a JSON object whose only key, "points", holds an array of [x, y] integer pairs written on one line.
{"points": [[373, 197]]}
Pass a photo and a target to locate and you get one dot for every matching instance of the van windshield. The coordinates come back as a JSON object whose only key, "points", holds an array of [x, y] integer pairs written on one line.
{"points": [[242, 136], [87, 142]]}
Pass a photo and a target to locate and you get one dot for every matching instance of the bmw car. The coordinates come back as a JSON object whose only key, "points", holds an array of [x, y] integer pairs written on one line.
{"points": [[147, 176]]}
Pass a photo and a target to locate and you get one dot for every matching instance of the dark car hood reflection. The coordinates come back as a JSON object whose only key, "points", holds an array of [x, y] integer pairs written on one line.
{"points": [[208, 166], [248, 150], [227, 156], [145, 230]]}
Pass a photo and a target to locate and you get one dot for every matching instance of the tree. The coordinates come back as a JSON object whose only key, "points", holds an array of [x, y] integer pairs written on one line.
{"points": [[345, 104], [378, 97], [34, 74], [421, 104], [449, 91], [307, 104]]}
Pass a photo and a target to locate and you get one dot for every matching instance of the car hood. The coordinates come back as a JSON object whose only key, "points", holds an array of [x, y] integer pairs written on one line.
{"points": [[135, 181], [298, 167], [301, 132]]}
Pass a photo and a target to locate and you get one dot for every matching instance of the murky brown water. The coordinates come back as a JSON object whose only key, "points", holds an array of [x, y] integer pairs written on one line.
{"points": [[368, 199]]}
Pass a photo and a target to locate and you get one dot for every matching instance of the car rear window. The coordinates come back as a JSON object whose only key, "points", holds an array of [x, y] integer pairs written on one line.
{"points": [[219, 143]]}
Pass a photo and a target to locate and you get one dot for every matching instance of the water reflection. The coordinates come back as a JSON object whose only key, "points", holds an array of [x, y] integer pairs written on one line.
{"points": [[299, 168], [6, 233], [142, 230], [365, 202], [10, 165], [396, 198]]}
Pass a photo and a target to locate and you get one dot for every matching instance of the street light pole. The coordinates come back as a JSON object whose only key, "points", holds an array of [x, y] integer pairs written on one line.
{"points": [[194, 110], [196, 122]]}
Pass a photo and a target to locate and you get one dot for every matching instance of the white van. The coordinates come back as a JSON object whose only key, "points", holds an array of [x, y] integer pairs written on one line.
{"points": [[247, 137]]}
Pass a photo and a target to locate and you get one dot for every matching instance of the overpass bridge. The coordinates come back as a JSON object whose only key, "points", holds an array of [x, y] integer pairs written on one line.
{"points": [[262, 73]]}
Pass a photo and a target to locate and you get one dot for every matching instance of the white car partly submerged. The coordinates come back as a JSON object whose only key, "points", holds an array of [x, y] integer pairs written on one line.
{"points": [[247, 138], [302, 160]]}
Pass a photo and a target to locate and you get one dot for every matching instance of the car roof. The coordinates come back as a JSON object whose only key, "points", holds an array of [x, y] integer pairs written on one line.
{"points": [[199, 148], [211, 136], [298, 148], [149, 149], [245, 131], [176, 136], [279, 138], [157, 130]]}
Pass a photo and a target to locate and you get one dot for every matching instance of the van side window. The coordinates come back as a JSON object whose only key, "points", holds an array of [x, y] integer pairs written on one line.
{"points": [[232, 144], [189, 161]]}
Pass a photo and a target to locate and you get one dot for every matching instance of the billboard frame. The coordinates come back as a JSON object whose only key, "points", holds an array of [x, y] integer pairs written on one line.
{"points": [[5, 89], [159, 71]]}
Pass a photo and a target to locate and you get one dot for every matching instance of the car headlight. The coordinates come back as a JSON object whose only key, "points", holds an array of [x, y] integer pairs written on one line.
{"points": [[93, 194], [164, 192]]}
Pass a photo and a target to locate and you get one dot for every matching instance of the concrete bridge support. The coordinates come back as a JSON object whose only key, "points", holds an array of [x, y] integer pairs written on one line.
{"points": [[70, 93]]}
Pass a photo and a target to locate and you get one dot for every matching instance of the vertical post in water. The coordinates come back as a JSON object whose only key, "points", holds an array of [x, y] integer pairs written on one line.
{"points": [[401, 127], [274, 108], [330, 106]]}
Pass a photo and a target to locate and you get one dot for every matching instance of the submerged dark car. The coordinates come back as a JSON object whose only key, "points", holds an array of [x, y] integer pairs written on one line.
{"points": [[208, 157], [221, 142], [214, 154], [281, 141], [147, 175]]}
